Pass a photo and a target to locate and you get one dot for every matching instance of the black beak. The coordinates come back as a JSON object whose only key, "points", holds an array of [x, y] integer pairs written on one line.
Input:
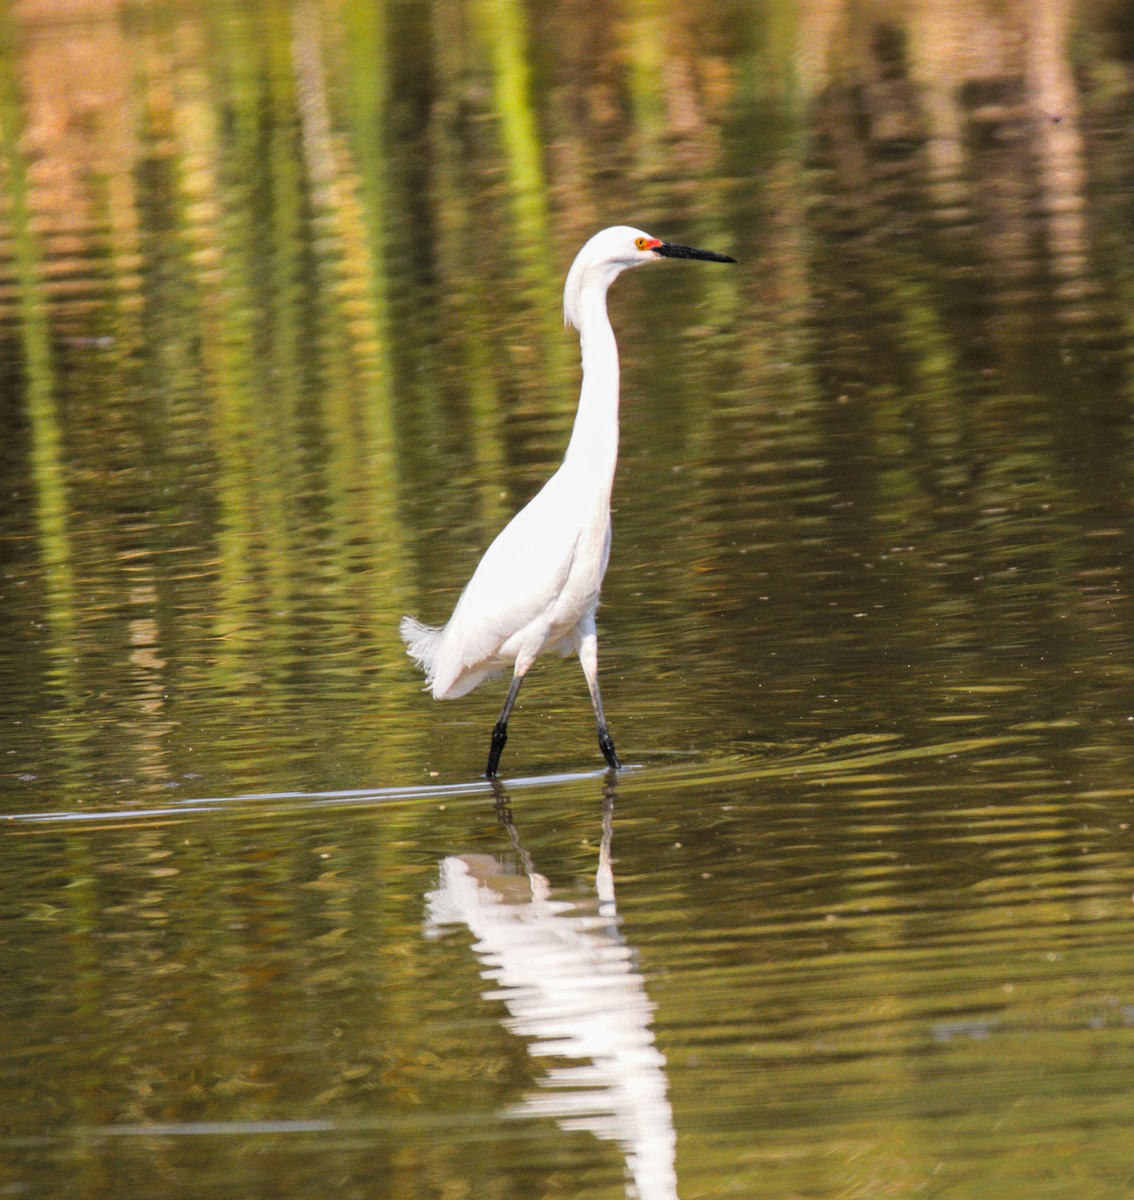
{"points": [[670, 250]]}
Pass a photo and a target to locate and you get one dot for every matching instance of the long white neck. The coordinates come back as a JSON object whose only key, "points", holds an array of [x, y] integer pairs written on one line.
{"points": [[594, 438]]}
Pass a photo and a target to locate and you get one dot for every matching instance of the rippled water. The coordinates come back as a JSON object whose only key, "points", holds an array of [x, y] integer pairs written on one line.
{"points": [[854, 968], [280, 351]]}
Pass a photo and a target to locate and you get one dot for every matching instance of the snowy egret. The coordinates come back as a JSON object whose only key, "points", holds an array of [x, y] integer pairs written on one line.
{"points": [[537, 586]]}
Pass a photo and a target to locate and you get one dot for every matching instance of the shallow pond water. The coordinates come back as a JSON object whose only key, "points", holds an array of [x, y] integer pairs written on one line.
{"points": [[280, 350]]}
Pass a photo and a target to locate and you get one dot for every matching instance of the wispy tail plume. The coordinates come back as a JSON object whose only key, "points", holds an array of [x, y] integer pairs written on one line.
{"points": [[421, 645]]}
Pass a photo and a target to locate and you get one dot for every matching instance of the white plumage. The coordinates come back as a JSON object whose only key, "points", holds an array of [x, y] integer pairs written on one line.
{"points": [[537, 586]]}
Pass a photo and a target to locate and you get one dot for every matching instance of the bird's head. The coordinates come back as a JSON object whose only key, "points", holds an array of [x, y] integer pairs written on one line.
{"points": [[612, 251]]}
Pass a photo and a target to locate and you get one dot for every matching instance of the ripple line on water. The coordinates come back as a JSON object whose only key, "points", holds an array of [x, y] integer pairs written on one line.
{"points": [[879, 751]]}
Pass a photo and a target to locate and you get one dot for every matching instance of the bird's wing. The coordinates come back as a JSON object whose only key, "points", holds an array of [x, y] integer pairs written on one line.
{"points": [[519, 579]]}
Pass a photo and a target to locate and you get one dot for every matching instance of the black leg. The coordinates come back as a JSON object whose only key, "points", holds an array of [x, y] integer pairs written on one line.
{"points": [[588, 657], [500, 729], [606, 745], [496, 748]]}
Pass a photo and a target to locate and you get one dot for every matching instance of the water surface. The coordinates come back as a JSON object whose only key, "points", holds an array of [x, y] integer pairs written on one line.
{"points": [[280, 350]]}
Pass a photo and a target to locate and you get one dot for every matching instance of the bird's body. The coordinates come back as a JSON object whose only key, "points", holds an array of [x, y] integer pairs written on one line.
{"points": [[537, 586], [559, 554]]}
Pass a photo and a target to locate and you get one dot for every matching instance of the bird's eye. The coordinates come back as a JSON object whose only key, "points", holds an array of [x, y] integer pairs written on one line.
{"points": [[640, 243]]}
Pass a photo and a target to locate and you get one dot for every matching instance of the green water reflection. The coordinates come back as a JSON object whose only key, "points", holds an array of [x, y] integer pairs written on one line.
{"points": [[280, 349]]}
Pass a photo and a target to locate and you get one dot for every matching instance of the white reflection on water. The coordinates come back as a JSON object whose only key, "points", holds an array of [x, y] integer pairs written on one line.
{"points": [[572, 990]]}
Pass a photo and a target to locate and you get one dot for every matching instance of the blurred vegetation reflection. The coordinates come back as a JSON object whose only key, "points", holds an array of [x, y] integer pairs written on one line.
{"points": [[281, 344]]}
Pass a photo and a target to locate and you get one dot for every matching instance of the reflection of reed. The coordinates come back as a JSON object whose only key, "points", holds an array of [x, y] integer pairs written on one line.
{"points": [[1054, 99], [528, 240], [81, 145], [466, 297], [573, 992], [47, 438], [350, 195]]}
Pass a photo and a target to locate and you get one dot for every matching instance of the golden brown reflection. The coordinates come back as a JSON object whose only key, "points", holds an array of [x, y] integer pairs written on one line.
{"points": [[861, 964]]}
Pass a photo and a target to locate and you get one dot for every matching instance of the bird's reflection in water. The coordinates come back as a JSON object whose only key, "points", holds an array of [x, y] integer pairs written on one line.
{"points": [[572, 991]]}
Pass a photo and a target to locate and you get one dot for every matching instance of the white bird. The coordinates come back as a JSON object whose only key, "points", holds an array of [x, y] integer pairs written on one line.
{"points": [[537, 586]]}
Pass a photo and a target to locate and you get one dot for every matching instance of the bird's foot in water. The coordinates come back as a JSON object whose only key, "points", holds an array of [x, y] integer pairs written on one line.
{"points": [[606, 745], [499, 738]]}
